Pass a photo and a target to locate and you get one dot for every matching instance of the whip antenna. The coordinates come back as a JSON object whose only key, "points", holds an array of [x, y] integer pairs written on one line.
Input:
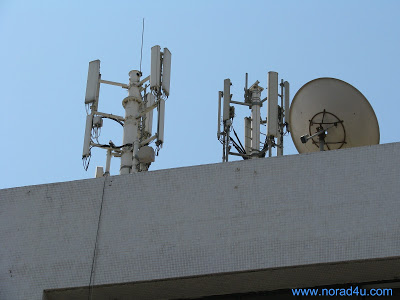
{"points": [[141, 49]]}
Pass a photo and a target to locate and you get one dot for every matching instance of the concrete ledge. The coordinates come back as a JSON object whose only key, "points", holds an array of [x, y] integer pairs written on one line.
{"points": [[235, 218], [243, 282]]}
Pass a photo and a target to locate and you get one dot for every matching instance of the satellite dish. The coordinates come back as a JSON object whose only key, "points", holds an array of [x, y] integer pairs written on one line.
{"points": [[334, 111]]}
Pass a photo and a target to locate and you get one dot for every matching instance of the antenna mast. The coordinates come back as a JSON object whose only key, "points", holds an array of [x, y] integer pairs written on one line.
{"points": [[135, 153], [276, 124], [141, 49]]}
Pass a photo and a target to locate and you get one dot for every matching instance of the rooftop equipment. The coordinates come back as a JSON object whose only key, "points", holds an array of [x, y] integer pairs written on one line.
{"points": [[329, 114], [137, 123], [325, 114], [276, 119]]}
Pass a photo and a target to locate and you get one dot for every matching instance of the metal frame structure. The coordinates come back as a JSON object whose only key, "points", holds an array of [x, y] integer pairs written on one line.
{"points": [[277, 119], [135, 153]]}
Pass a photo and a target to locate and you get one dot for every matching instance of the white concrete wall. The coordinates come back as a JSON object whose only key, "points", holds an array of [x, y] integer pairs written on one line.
{"points": [[249, 215]]}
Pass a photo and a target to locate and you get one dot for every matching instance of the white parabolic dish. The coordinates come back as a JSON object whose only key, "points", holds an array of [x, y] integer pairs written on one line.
{"points": [[323, 102]]}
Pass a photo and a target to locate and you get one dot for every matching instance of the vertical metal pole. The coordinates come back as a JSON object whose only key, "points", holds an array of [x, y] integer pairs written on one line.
{"points": [[321, 141], [269, 143], [227, 126], [281, 93], [255, 127], [223, 148], [131, 105], [108, 162], [227, 146], [247, 135], [279, 146]]}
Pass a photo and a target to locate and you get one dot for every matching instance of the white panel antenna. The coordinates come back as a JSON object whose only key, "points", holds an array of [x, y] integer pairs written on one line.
{"points": [[138, 105], [219, 115], [93, 83], [272, 119], [227, 100], [87, 138], [286, 87], [166, 71], [155, 71], [256, 143], [160, 126], [149, 116]]}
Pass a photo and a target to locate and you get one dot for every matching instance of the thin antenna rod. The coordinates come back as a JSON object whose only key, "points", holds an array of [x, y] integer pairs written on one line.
{"points": [[141, 49]]}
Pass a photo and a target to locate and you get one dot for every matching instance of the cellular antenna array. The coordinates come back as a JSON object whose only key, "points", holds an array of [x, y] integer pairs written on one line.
{"points": [[276, 120], [325, 114], [144, 95]]}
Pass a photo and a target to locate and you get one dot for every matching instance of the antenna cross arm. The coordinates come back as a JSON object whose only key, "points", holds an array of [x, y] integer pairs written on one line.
{"points": [[123, 85], [147, 141], [110, 116], [144, 80], [240, 103], [239, 154], [145, 111]]}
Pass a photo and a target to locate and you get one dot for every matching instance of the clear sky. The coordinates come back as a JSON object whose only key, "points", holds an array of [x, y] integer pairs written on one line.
{"points": [[46, 46]]}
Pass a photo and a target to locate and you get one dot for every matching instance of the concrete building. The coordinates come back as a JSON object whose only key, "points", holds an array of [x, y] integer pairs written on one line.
{"points": [[241, 230]]}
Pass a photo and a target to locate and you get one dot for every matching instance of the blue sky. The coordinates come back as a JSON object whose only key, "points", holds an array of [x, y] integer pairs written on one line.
{"points": [[46, 47]]}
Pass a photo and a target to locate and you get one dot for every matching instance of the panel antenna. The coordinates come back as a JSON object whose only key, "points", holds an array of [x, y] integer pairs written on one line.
{"points": [[254, 146], [135, 153], [325, 114]]}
